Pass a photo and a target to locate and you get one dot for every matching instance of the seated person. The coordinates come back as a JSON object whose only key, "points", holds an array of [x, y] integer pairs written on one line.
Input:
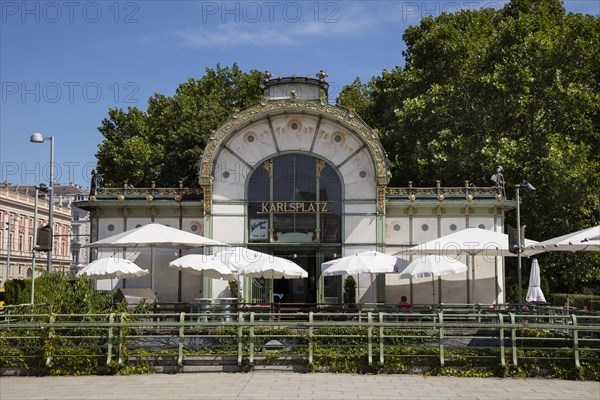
{"points": [[404, 304]]}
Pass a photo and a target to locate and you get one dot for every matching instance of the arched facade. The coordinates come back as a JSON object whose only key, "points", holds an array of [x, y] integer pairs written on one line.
{"points": [[303, 140]]}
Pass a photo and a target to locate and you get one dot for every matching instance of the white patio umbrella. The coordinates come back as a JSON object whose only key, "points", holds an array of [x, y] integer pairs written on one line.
{"points": [[583, 240], [155, 235], [112, 267], [204, 265], [432, 266], [237, 258], [366, 262], [272, 267], [534, 292], [471, 242]]}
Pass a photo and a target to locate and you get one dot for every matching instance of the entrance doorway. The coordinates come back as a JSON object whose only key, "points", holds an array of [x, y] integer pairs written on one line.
{"points": [[298, 290], [308, 290]]}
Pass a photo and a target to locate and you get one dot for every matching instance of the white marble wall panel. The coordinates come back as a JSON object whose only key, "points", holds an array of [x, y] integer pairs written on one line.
{"points": [[359, 177], [194, 225], [360, 229], [230, 176], [365, 208], [109, 226], [335, 151], [350, 249], [190, 286], [228, 209], [397, 231], [166, 279], [172, 222], [229, 229], [253, 143], [289, 139], [451, 225], [482, 222], [424, 229], [133, 223]]}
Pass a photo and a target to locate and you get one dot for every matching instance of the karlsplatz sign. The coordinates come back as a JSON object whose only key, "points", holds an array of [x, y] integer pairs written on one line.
{"points": [[294, 207]]}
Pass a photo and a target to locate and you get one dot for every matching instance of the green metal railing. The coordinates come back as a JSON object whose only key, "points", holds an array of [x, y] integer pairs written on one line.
{"points": [[508, 338]]}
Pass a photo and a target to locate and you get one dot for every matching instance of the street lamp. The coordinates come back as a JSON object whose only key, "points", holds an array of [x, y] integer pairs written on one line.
{"points": [[39, 138], [9, 229], [38, 188], [528, 187]]}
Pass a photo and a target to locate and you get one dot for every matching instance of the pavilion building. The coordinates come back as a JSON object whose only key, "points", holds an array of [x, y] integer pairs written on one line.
{"points": [[297, 177]]}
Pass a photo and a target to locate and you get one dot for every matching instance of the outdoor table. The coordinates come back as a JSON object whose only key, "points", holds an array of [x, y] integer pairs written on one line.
{"points": [[202, 306], [224, 306]]}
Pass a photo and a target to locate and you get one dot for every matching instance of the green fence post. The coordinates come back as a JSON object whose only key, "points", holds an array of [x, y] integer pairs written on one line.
{"points": [[513, 338], [121, 327], [441, 337], [575, 341], [111, 321], [370, 337], [181, 337], [310, 338], [381, 339], [251, 339], [501, 332], [50, 336], [240, 338]]}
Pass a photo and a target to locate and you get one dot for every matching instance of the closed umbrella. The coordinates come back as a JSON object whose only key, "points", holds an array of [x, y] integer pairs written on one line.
{"points": [[534, 292], [432, 266]]}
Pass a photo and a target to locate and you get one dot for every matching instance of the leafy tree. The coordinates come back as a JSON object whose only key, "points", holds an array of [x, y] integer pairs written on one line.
{"points": [[165, 142], [516, 87]]}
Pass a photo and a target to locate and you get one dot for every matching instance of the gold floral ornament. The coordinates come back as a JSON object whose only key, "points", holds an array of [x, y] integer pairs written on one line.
{"points": [[92, 198], [149, 197], [469, 197], [412, 197], [440, 197], [121, 197], [498, 197], [178, 197]]}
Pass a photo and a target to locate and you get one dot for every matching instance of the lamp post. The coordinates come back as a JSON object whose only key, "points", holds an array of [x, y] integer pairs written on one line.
{"points": [[39, 138], [9, 229], [528, 187], [8, 250], [38, 188]]}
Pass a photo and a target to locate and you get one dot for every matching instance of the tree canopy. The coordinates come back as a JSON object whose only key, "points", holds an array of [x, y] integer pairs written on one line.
{"points": [[516, 87], [165, 143]]}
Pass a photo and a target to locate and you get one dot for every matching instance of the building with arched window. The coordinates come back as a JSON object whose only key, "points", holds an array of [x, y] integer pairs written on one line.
{"points": [[299, 178]]}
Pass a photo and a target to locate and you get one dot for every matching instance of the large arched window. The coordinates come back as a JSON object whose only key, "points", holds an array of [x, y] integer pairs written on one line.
{"points": [[294, 198]]}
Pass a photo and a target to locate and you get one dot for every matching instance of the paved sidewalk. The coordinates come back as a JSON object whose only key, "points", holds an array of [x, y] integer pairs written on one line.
{"points": [[289, 385]]}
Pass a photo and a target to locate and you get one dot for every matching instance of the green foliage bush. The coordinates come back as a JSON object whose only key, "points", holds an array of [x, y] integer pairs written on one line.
{"points": [[575, 300], [18, 291], [349, 290]]}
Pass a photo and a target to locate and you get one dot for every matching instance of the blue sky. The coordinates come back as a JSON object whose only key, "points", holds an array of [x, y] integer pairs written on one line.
{"points": [[63, 64]]}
